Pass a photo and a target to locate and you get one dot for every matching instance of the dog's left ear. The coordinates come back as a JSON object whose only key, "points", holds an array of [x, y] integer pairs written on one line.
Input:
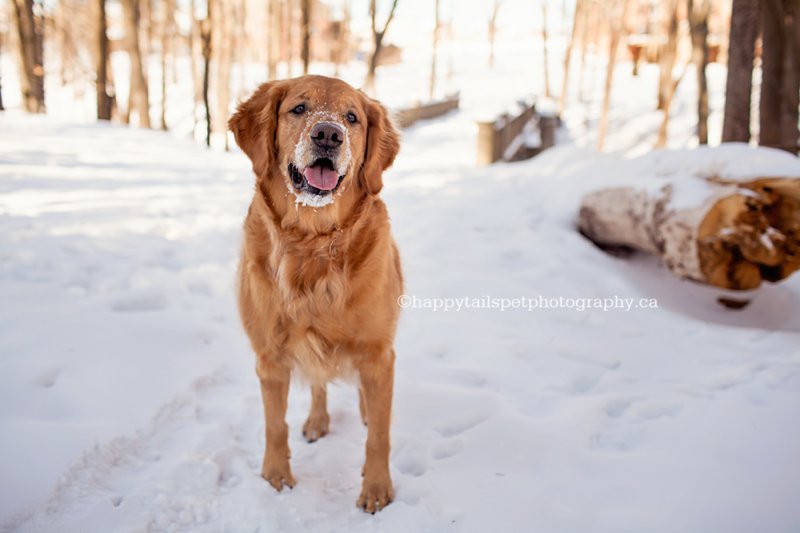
{"points": [[383, 143], [254, 125]]}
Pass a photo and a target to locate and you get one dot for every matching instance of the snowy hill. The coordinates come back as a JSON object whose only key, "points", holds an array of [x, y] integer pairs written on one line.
{"points": [[128, 399]]}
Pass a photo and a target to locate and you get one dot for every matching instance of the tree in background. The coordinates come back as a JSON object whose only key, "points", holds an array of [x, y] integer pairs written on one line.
{"points": [[105, 102], [492, 30], [30, 30], [436, 24], [166, 30], [205, 38], [377, 43], [668, 53], [619, 9], [780, 78], [1, 94], [138, 96], [578, 22], [745, 23], [698, 11], [273, 37], [545, 67], [305, 53], [342, 38], [222, 15]]}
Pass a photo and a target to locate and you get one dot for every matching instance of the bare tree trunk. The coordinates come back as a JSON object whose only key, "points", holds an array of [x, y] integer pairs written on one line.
{"points": [[2, 108], [668, 52], [138, 96], [663, 130], [745, 23], [222, 19], [284, 52], [377, 43], [195, 53], [590, 8], [698, 20], [273, 38], [104, 100], [30, 29], [492, 31], [577, 23], [617, 18], [779, 81], [167, 18], [432, 86], [205, 37], [305, 14], [544, 50], [343, 37]]}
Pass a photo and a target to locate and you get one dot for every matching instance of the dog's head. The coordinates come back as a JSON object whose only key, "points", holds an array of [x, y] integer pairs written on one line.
{"points": [[317, 134]]}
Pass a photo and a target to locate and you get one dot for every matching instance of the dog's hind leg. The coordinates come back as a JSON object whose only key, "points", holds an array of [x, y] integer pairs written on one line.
{"points": [[318, 421]]}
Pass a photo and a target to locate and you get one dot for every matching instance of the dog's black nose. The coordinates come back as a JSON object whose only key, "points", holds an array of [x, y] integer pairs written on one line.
{"points": [[327, 135]]}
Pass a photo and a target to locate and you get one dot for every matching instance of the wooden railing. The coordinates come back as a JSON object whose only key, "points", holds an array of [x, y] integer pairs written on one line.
{"points": [[408, 116], [504, 138]]}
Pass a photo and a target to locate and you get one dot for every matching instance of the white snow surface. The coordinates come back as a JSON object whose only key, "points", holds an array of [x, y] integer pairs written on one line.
{"points": [[128, 398]]}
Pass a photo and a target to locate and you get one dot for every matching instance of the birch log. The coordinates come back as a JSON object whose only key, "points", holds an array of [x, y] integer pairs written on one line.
{"points": [[734, 237]]}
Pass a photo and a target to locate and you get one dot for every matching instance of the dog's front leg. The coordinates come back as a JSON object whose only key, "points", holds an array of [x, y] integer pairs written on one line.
{"points": [[274, 392], [377, 379]]}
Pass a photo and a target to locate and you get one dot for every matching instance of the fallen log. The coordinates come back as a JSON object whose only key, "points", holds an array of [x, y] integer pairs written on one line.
{"points": [[724, 233]]}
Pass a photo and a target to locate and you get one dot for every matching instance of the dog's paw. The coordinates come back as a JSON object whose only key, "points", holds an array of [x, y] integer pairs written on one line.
{"points": [[376, 494], [278, 474], [316, 427]]}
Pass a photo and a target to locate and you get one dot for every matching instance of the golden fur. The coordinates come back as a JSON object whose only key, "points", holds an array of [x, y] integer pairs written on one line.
{"points": [[318, 286]]}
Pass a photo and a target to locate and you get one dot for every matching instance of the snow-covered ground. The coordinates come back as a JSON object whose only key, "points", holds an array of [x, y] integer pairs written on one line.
{"points": [[128, 399]]}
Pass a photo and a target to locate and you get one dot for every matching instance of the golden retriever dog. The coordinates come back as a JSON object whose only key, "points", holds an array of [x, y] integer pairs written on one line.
{"points": [[320, 275]]}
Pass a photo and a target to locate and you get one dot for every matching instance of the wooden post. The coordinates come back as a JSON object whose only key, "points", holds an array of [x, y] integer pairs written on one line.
{"points": [[487, 143]]}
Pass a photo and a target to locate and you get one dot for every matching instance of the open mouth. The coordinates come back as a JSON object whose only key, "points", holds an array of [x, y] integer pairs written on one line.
{"points": [[320, 178]]}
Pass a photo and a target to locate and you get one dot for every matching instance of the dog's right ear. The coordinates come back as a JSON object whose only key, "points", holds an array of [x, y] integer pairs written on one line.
{"points": [[255, 123]]}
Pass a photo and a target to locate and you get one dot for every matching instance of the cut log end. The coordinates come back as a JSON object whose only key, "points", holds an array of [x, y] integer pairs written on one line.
{"points": [[753, 235]]}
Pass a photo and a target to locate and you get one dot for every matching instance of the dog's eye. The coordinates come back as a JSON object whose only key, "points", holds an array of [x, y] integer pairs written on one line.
{"points": [[351, 118], [299, 109]]}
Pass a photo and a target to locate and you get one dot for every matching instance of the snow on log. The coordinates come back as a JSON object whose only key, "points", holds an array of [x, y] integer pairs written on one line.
{"points": [[729, 234]]}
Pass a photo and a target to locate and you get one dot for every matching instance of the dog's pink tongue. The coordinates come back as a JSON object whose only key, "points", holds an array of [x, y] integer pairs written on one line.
{"points": [[322, 178]]}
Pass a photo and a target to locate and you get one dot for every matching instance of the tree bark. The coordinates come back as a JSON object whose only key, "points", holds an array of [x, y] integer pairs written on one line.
{"points": [[577, 23], [2, 108], [377, 43], [664, 127], [30, 30], [222, 19], [104, 100], [434, 50], [590, 9], [668, 52], [205, 37], [780, 80], [492, 30], [273, 39], [698, 20], [342, 48], [167, 28], [138, 96], [745, 23], [544, 51], [735, 236], [305, 13], [617, 18]]}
